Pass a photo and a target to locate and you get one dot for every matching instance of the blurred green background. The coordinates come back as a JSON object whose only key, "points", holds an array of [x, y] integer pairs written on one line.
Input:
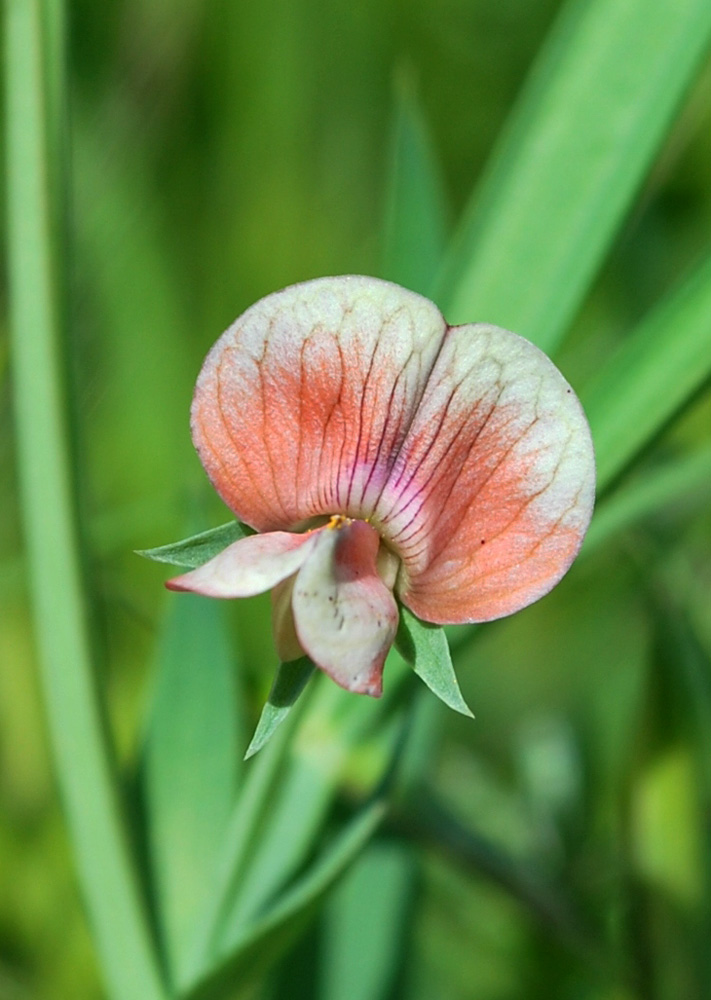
{"points": [[223, 150]]}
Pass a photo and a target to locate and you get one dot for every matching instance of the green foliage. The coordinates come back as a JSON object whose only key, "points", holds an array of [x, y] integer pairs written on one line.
{"points": [[571, 158], [80, 740], [290, 680], [657, 370], [198, 549], [368, 915], [416, 205], [426, 649], [190, 764], [264, 939], [559, 842]]}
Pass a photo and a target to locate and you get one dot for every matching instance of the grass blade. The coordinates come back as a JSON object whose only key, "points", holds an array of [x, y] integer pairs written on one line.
{"points": [[584, 133], [416, 213], [687, 479], [658, 369], [191, 763], [263, 776], [78, 731], [367, 921], [270, 935], [336, 733]]}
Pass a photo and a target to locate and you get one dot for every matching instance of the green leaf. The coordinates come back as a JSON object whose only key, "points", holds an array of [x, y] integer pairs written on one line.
{"points": [[416, 213], [366, 922], [83, 756], [583, 135], [287, 795], [190, 765], [337, 729], [263, 779], [198, 549], [425, 647], [290, 681], [269, 935], [685, 480], [660, 366]]}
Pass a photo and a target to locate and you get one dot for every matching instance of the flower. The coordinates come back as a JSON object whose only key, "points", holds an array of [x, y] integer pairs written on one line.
{"points": [[385, 456]]}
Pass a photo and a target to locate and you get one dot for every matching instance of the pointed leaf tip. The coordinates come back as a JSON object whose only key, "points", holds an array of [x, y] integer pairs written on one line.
{"points": [[290, 680], [426, 649], [189, 553]]}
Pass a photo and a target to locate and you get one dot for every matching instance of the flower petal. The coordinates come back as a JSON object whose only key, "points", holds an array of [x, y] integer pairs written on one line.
{"points": [[249, 566], [345, 616], [494, 486], [303, 403]]}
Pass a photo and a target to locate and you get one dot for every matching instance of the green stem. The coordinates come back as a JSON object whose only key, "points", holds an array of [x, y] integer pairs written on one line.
{"points": [[78, 731]]}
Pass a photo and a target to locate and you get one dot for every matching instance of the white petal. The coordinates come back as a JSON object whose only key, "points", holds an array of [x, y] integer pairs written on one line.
{"points": [[249, 566]]}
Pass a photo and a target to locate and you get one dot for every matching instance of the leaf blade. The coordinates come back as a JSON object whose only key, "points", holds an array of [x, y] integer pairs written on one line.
{"points": [[686, 479], [190, 763], [79, 735], [416, 204], [268, 935], [368, 920], [660, 366], [583, 135]]}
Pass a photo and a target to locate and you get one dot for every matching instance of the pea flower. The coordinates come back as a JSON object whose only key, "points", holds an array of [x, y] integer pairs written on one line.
{"points": [[383, 457]]}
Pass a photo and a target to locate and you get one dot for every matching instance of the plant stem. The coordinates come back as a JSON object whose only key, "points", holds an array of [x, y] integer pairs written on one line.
{"points": [[83, 757]]}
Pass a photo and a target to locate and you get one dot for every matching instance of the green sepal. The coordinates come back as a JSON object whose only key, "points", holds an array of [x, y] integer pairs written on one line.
{"points": [[426, 649], [289, 682], [192, 552]]}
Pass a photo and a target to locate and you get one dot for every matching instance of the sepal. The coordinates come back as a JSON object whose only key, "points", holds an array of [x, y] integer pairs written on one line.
{"points": [[426, 649], [290, 680], [198, 549]]}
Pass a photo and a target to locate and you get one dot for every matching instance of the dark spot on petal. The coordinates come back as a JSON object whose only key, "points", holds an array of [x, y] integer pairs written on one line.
{"points": [[483, 541]]}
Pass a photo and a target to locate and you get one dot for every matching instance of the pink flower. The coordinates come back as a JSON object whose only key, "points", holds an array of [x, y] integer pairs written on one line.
{"points": [[385, 456]]}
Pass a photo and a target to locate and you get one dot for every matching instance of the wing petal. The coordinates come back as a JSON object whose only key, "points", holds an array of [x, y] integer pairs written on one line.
{"points": [[249, 566]]}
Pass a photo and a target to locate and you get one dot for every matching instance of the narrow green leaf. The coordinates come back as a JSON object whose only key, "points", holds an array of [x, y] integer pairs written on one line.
{"points": [[254, 805], [270, 935], [661, 365], [190, 765], [416, 212], [366, 921], [79, 735], [332, 734], [685, 480], [198, 549], [425, 647], [584, 133], [290, 681]]}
